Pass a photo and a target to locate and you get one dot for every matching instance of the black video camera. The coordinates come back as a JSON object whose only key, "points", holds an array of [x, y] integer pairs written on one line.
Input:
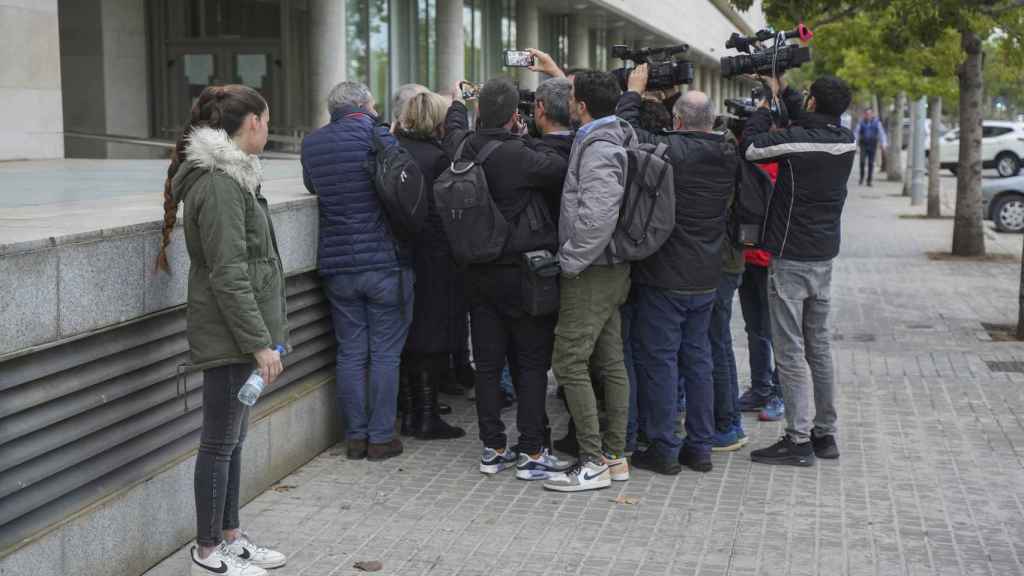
{"points": [[740, 109], [665, 71], [773, 60]]}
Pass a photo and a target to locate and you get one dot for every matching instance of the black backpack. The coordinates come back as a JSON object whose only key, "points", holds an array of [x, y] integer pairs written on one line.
{"points": [[400, 187], [647, 215], [750, 207], [476, 230]]}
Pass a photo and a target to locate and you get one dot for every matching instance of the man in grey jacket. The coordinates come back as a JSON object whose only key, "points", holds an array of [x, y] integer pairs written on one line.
{"points": [[595, 283]]}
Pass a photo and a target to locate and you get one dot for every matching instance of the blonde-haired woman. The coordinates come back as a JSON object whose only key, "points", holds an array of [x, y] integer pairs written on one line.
{"points": [[438, 321]]}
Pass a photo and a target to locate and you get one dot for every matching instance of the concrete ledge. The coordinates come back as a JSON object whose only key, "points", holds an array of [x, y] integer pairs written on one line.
{"points": [[94, 267], [134, 529]]}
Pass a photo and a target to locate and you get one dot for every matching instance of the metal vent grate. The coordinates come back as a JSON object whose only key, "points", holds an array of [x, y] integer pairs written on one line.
{"points": [[82, 419]]}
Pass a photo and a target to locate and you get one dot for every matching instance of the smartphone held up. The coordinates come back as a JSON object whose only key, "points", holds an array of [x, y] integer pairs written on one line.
{"points": [[518, 59]]}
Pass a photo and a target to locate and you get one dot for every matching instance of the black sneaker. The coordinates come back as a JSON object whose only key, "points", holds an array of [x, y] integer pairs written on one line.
{"points": [[785, 452], [649, 460], [694, 461], [825, 446]]}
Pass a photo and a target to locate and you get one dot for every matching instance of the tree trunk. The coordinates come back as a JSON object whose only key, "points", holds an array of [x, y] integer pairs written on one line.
{"points": [[968, 233], [934, 182], [894, 160], [908, 173]]}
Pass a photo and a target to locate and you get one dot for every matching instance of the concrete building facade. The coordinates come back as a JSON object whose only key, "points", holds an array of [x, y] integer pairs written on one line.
{"points": [[75, 69]]}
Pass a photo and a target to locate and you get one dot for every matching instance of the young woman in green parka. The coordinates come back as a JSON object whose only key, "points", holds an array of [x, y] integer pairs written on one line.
{"points": [[236, 305]]}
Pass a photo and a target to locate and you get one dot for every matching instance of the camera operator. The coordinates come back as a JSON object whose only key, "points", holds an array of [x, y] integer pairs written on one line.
{"points": [[802, 232], [675, 288], [518, 170]]}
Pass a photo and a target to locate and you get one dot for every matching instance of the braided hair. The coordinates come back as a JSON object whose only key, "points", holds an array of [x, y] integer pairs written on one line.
{"points": [[219, 107]]}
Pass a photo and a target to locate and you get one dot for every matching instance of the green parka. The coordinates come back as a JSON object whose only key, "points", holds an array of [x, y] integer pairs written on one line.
{"points": [[236, 290]]}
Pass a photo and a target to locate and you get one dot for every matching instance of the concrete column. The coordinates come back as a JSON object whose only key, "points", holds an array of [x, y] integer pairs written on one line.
{"points": [[716, 91], [528, 36], [326, 56], [31, 119], [579, 41], [451, 58], [616, 36]]}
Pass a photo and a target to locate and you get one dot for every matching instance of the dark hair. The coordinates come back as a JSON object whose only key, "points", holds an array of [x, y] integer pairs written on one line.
{"points": [[498, 101], [831, 96], [654, 117], [600, 90], [220, 107]]}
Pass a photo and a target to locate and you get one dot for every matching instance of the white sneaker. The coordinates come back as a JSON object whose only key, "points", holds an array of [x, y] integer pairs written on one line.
{"points": [[543, 467], [589, 475], [245, 549], [492, 462], [222, 563], [618, 467]]}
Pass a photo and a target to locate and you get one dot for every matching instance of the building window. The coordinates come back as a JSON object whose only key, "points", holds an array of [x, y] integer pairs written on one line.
{"points": [[231, 18], [426, 42], [473, 34], [368, 47]]}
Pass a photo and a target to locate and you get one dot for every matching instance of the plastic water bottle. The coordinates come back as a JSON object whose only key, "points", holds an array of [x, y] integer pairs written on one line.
{"points": [[253, 386]]}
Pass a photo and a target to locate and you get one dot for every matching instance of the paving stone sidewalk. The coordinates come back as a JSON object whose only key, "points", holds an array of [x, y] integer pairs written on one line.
{"points": [[931, 479]]}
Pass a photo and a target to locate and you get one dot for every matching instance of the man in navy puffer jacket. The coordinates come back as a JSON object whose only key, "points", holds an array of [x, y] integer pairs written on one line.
{"points": [[365, 272]]}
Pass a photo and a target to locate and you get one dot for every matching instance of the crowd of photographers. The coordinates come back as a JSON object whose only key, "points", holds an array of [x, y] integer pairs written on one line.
{"points": [[634, 338]]}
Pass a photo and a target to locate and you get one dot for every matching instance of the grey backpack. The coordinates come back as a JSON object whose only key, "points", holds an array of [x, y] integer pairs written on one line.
{"points": [[647, 215]]}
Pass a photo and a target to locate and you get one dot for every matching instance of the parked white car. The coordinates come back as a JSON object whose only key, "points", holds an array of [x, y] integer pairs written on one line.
{"points": [[1002, 147], [1002, 201]]}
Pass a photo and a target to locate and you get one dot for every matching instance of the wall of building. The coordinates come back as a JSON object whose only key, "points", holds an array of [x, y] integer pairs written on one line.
{"points": [[105, 75], [31, 117]]}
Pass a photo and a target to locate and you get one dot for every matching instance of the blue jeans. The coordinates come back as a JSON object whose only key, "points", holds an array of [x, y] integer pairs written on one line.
{"points": [[764, 380], [670, 331], [372, 312], [727, 386]]}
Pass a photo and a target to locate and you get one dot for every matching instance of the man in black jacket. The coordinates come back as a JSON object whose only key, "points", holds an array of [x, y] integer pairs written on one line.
{"points": [[674, 289], [518, 172], [815, 157]]}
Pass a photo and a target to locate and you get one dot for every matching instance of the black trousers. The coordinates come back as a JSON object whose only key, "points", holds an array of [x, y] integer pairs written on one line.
{"points": [[219, 463], [867, 153], [529, 341]]}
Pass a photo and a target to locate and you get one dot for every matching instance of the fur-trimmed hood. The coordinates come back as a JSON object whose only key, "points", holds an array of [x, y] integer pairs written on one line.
{"points": [[210, 149]]}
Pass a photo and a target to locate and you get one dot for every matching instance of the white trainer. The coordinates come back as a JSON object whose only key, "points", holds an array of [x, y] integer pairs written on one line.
{"points": [[221, 562], [618, 467], [244, 548], [545, 466], [589, 475]]}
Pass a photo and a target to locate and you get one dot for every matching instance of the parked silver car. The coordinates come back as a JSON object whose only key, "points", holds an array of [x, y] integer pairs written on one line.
{"points": [[1002, 201]]}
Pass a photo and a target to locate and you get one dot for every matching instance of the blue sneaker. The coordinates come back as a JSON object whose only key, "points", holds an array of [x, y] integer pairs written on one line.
{"points": [[733, 439], [773, 411], [543, 467], [751, 401], [492, 462]]}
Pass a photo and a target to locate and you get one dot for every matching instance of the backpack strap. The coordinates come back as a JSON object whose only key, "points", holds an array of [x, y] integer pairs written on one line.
{"points": [[482, 155], [487, 150]]}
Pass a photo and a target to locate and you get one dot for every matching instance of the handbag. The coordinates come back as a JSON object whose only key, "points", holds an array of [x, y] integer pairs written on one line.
{"points": [[540, 282]]}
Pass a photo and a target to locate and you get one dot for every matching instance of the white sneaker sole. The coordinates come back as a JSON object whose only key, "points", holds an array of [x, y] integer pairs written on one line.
{"points": [[530, 475], [269, 565], [495, 468], [578, 487]]}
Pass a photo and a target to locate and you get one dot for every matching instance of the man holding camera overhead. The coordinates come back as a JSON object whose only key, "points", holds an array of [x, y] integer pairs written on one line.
{"points": [[675, 288], [519, 171], [802, 232]]}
